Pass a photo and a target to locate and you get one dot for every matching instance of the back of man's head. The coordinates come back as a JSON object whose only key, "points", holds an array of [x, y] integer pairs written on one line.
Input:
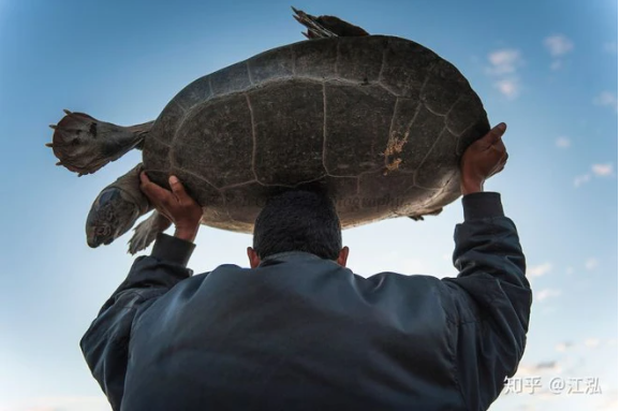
{"points": [[298, 220]]}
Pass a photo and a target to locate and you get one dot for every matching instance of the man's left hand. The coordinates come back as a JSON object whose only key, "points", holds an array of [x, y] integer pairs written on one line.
{"points": [[176, 205]]}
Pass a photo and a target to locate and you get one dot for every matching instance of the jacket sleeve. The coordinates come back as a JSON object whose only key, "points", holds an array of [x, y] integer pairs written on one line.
{"points": [[106, 341], [490, 300]]}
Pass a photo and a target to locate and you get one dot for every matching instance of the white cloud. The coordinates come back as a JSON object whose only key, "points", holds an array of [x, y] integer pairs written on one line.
{"points": [[569, 270], [606, 99], [503, 65], [508, 87], [580, 180], [504, 61], [592, 342], [542, 295], [539, 270], [591, 264], [562, 142], [558, 44], [602, 169]]}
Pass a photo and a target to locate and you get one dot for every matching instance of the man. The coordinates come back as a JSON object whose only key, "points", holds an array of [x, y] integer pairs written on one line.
{"points": [[299, 331]]}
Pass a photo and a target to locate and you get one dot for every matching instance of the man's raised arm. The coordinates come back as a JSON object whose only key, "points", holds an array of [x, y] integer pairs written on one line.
{"points": [[105, 343], [491, 297]]}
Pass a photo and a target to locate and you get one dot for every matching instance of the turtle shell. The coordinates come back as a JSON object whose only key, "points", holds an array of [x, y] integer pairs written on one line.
{"points": [[377, 122]]}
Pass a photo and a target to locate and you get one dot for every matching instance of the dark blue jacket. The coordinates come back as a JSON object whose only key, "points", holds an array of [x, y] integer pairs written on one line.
{"points": [[303, 333]]}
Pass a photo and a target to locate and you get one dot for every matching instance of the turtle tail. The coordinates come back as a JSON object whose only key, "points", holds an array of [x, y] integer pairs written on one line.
{"points": [[326, 26]]}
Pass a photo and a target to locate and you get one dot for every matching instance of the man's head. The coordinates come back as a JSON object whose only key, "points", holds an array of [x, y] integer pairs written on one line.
{"points": [[298, 220]]}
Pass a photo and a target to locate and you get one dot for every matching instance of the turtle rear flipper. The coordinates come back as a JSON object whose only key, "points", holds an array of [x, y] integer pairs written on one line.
{"points": [[84, 144], [327, 26]]}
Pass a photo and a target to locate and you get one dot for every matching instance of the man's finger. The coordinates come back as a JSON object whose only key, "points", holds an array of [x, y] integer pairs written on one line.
{"points": [[154, 191], [495, 134], [144, 179], [177, 189]]}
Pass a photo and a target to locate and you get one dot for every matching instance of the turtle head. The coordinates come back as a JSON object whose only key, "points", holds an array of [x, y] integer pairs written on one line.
{"points": [[112, 214]]}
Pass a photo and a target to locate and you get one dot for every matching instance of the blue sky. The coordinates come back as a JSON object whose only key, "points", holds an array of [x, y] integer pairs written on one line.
{"points": [[548, 69]]}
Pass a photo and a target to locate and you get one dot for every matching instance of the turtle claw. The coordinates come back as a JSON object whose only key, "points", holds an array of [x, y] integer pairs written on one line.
{"points": [[49, 145], [53, 126], [67, 112]]}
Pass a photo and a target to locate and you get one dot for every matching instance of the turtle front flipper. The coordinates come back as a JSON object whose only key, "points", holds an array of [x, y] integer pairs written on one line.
{"points": [[84, 144], [326, 26], [146, 232], [116, 209]]}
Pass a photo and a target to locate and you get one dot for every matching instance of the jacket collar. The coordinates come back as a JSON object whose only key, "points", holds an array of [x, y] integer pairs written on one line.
{"points": [[289, 256]]}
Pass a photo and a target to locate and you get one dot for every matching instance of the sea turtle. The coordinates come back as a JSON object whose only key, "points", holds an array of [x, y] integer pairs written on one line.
{"points": [[377, 122]]}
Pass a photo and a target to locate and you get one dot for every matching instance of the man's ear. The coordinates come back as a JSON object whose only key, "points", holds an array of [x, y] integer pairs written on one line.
{"points": [[342, 256], [253, 257]]}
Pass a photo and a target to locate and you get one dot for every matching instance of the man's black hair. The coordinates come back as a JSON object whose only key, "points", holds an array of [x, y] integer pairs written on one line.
{"points": [[298, 220]]}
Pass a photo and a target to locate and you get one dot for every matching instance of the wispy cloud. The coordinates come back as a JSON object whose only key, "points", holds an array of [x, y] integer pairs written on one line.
{"points": [[503, 64], [606, 99], [562, 142], [539, 270], [508, 87], [542, 367], [543, 295], [592, 342], [591, 263], [581, 180], [602, 169], [599, 170], [504, 61], [556, 65], [563, 346], [558, 45]]}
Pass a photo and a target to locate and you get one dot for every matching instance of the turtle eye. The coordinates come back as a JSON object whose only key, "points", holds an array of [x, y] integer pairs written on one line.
{"points": [[100, 231]]}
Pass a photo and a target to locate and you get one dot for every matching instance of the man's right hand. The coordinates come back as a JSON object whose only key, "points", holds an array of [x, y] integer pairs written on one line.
{"points": [[482, 159], [176, 205]]}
